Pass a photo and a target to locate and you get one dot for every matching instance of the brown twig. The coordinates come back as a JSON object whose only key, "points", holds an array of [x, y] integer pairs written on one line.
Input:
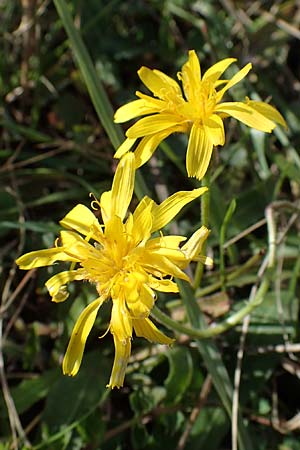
{"points": [[195, 412]]}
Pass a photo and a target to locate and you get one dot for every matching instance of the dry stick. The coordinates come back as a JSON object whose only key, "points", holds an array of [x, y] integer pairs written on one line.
{"points": [[279, 348], [9, 166], [15, 423], [268, 262], [279, 305], [195, 412], [240, 355], [15, 315], [245, 232], [14, 420], [17, 291]]}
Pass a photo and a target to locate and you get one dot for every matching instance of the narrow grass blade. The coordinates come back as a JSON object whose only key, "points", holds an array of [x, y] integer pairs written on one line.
{"points": [[213, 362], [95, 88]]}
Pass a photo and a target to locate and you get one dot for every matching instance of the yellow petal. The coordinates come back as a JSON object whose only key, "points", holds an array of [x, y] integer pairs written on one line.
{"points": [[131, 110], [153, 103], [120, 322], [116, 238], [161, 266], [105, 206], [214, 129], [234, 80], [191, 76], [154, 124], [170, 241], [122, 187], [75, 246], [141, 308], [167, 210], [141, 207], [40, 258], [247, 115], [142, 225], [162, 285], [56, 285], [193, 246], [158, 82], [124, 148], [80, 219], [122, 354], [214, 72], [267, 111], [170, 253], [148, 145], [146, 328], [198, 152], [81, 330]]}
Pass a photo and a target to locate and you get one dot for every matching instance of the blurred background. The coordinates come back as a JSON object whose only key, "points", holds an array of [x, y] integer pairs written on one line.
{"points": [[54, 152]]}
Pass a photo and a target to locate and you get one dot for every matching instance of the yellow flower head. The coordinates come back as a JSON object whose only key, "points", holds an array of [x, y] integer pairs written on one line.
{"points": [[197, 111], [124, 262]]}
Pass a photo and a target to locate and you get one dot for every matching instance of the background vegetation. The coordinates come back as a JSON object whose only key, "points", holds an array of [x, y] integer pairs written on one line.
{"points": [[55, 151]]}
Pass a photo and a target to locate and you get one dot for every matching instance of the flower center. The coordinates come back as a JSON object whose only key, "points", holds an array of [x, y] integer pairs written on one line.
{"points": [[199, 105]]}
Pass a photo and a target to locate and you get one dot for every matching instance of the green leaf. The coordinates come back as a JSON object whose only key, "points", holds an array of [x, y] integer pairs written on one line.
{"points": [[209, 429], [180, 373], [259, 144], [145, 399], [70, 399], [288, 168], [96, 90], [30, 391]]}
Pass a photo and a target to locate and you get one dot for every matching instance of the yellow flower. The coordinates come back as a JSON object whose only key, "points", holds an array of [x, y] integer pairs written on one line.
{"points": [[124, 262], [197, 111]]}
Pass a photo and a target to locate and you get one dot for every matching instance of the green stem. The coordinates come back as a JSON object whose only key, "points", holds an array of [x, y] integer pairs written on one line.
{"points": [[221, 327], [205, 206], [202, 292], [228, 215]]}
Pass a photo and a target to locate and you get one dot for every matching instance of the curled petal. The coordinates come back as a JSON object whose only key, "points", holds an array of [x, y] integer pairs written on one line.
{"points": [[141, 307], [158, 82], [193, 246], [56, 285]]}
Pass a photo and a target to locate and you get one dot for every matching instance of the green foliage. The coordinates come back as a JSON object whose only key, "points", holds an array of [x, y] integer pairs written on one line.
{"points": [[59, 86]]}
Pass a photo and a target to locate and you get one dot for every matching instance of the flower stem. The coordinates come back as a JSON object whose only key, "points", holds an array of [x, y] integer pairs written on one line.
{"points": [[205, 206], [221, 327]]}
